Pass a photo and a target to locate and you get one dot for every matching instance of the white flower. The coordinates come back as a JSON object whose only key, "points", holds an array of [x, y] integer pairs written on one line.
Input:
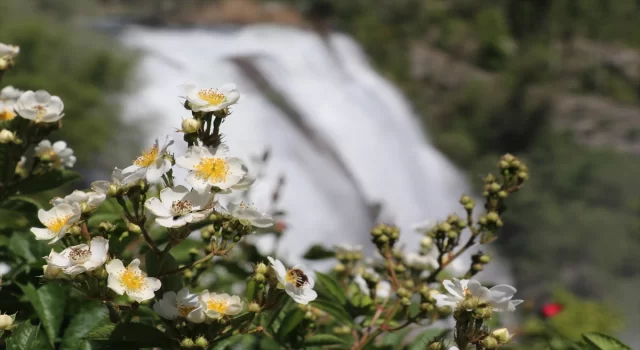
{"points": [[218, 305], [362, 284], [183, 304], [4, 268], [131, 280], [52, 272], [420, 261], [8, 51], [211, 167], [178, 206], [118, 181], [498, 297], [9, 94], [6, 111], [39, 106], [296, 283], [80, 258], [7, 136], [87, 200], [383, 290], [152, 164], [210, 100], [250, 213], [57, 220], [58, 154]]}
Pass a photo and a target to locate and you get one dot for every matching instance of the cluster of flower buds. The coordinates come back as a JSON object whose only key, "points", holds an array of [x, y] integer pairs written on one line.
{"points": [[384, 235], [478, 260], [447, 234], [511, 166]]}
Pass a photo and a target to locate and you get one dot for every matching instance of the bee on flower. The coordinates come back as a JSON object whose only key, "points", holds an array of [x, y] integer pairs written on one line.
{"points": [[211, 167], [152, 164], [39, 106], [80, 258], [131, 280], [57, 221], [295, 282], [58, 154], [178, 206], [217, 306], [210, 100], [183, 304]]}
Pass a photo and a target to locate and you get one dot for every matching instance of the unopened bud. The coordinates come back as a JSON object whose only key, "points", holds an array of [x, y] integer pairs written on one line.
{"points": [[493, 217], [133, 228], [502, 335], [494, 187], [403, 292], [426, 243], [452, 234], [187, 343], [202, 342], [523, 176], [259, 277], [490, 342], [339, 268], [436, 346], [426, 307], [477, 267], [205, 234], [484, 313], [485, 259], [253, 307], [188, 274], [262, 268], [191, 125], [6, 322], [193, 252], [7, 136], [405, 301], [444, 227], [503, 194], [76, 230]]}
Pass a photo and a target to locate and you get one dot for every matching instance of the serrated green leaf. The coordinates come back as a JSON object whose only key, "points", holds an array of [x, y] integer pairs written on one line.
{"points": [[169, 283], [334, 310], [46, 181], [27, 337], [323, 340], [318, 252], [290, 322], [130, 334], [327, 286], [604, 342], [12, 219], [88, 318], [49, 302]]}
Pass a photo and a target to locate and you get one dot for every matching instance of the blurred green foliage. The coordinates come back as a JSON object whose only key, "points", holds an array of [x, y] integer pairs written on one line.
{"points": [[86, 69]]}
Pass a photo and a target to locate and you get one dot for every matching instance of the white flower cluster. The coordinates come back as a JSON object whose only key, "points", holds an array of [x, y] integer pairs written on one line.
{"points": [[498, 297], [197, 308]]}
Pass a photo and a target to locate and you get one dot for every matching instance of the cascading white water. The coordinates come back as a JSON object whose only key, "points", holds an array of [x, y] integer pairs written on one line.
{"points": [[371, 147]]}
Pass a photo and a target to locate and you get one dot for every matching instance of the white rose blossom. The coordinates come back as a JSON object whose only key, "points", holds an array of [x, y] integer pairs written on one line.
{"points": [[210, 100], [131, 280], [57, 221], [152, 164], [183, 304], [9, 94], [296, 283], [250, 213], [178, 206], [87, 200], [118, 181], [211, 167], [80, 258], [39, 106], [8, 51], [216, 306], [498, 297], [58, 154]]}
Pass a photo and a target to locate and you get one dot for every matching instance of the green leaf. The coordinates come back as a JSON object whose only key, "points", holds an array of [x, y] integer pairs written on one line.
{"points": [[129, 334], [334, 310], [88, 318], [12, 219], [49, 302], [46, 181], [421, 340], [322, 340], [604, 342], [27, 337], [290, 322], [19, 245], [327, 286], [251, 289], [227, 343], [396, 339], [318, 252], [169, 283]]}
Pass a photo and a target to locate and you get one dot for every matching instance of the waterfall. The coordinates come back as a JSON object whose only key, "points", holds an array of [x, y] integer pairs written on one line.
{"points": [[346, 139]]}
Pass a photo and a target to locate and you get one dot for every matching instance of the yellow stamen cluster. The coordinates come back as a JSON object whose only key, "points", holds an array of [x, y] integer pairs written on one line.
{"points": [[6, 114], [147, 158], [217, 306], [214, 170], [133, 280], [185, 310], [212, 96], [56, 225]]}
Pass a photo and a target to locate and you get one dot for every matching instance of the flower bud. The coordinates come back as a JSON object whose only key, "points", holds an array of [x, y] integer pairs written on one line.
{"points": [[490, 343], [253, 307], [339, 268], [522, 176], [436, 346], [452, 234], [75, 230], [426, 243], [477, 267], [502, 335], [426, 307], [262, 268], [112, 191], [494, 187], [484, 313], [259, 277], [202, 342], [403, 292], [444, 227], [485, 259], [469, 304], [133, 228], [191, 125], [405, 301], [493, 217], [7, 136], [6, 322], [187, 343]]}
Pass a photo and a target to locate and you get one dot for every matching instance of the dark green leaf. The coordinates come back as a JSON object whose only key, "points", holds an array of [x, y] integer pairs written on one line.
{"points": [[169, 283], [318, 252], [227, 343], [12, 219], [267, 343], [327, 286], [322, 340], [395, 340], [604, 342], [334, 310], [88, 318], [290, 322], [47, 181], [129, 334], [49, 302], [27, 337], [251, 289], [421, 340], [19, 245]]}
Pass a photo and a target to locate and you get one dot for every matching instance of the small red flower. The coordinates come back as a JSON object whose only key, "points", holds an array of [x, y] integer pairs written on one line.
{"points": [[551, 309]]}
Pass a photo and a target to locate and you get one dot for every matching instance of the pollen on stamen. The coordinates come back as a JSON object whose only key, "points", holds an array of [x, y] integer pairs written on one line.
{"points": [[132, 280], [212, 96], [147, 158], [217, 306], [57, 224], [213, 170]]}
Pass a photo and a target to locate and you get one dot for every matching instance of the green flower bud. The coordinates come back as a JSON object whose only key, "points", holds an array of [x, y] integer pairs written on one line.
{"points": [[426, 307], [522, 176], [405, 301], [502, 335], [133, 228], [205, 235], [191, 125], [403, 292], [503, 164], [426, 243], [188, 274], [253, 307], [202, 342], [477, 267], [6, 322], [493, 217], [76, 230], [452, 234], [503, 194], [484, 313], [262, 268], [444, 227], [193, 252], [259, 277], [308, 315], [112, 191], [187, 343], [494, 187], [508, 158], [469, 304], [485, 259], [482, 220], [436, 346], [490, 342], [339, 268], [382, 239]]}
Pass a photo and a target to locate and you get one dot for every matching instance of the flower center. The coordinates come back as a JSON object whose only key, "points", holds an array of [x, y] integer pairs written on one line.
{"points": [[40, 111], [297, 277], [217, 306], [79, 255], [184, 310], [6, 114], [132, 280], [213, 170], [212, 96], [57, 224], [182, 207], [147, 158]]}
